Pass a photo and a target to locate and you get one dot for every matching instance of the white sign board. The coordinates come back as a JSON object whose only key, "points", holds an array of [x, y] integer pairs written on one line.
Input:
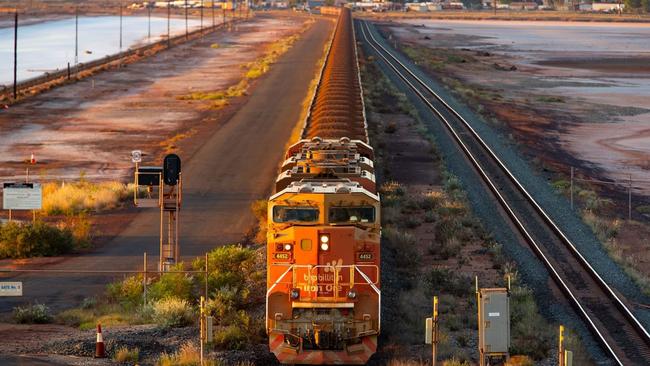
{"points": [[26, 196], [11, 289]]}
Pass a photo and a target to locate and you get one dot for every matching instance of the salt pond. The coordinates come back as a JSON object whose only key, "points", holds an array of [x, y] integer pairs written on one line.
{"points": [[50, 45]]}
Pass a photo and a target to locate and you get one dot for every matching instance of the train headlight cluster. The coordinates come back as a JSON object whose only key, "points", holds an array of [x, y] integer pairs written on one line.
{"points": [[325, 242]]}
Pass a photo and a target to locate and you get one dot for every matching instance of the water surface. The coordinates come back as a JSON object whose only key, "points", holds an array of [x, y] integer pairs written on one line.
{"points": [[50, 45]]}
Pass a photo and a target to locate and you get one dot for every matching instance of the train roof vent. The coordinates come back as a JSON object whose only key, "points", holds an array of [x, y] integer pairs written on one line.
{"points": [[342, 189], [306, 189]]}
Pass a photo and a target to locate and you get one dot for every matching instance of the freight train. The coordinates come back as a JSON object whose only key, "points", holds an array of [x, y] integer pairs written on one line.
{"points": [[323, 242]]}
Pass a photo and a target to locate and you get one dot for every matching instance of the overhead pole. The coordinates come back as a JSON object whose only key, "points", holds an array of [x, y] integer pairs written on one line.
{"points": [[169, 10], [213, 22], [201, 17], [186, 27], [149, 22], [76, 35], [121, 11], [16, 55]]}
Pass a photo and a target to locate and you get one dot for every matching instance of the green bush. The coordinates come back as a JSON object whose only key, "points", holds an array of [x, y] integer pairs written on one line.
{"points": [[173, 312], [403, 246], [128, 292], [531, 336], [36, 239], [442, 280], [32, 314], [231, 337], [177, 285]]}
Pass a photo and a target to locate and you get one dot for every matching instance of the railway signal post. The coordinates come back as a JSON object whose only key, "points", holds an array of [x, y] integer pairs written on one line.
{"points": [[161, 188]]}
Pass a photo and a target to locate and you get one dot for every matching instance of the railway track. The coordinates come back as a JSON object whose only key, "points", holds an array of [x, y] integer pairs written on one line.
{"points": [[604, 312]]}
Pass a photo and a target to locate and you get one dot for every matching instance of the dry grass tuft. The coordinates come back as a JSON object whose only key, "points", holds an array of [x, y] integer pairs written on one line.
{"points": [[78, 197], [124, 354]]}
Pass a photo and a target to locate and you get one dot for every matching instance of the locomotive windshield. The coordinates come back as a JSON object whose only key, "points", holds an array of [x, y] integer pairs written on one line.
{"points": [[344, 215], [295, 214]]}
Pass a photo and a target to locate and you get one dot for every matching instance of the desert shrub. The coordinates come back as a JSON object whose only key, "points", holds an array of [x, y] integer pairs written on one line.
{"points": [[403, 246], [32, 314], [36, 239], [531, 336], [82, 196], [442, 280], [125, 354], [188, 355], [178, 285], [128, 292], [430, 200], [237, 269], [231, 337], [519, 360], [455, 362], [172, 312]]}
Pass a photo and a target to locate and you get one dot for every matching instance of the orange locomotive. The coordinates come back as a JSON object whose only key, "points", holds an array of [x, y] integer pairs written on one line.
{"points": [[323, 252]]}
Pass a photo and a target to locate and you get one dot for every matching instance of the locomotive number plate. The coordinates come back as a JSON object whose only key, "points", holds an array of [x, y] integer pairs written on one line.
{"points": [[364, 256], [282, 256]]}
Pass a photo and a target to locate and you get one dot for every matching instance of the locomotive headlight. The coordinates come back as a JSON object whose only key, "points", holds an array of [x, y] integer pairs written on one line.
{"points": [[287, 247], [352, 294], [325, 242], [295, 294]]}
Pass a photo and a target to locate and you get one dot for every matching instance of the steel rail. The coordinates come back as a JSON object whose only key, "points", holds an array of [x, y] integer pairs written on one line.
{"points": [[591, 271]]}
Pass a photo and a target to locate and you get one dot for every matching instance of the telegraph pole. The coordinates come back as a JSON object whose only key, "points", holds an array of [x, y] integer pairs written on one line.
{"points": [[120, 26], [16, 55], [76, 36]]}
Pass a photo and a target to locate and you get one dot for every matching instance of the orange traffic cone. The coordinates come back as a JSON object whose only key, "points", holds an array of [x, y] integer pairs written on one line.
{"points": [[32, 159], [100, 352]]}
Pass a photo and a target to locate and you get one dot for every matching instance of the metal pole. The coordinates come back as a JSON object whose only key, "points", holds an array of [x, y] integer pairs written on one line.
{"points": [[223, 10], [120, 26], [213, 22], [16, 55], [144, 280], [169, 10], [76, 36], [434, 338], [186, 29], [149, 23], [629, 200], [560, 350], [206, 276], [203, 326], [571, 188], [201, 18]]}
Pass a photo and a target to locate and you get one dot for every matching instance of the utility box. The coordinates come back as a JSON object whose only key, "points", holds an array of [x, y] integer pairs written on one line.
{"points": [[493, 323]]}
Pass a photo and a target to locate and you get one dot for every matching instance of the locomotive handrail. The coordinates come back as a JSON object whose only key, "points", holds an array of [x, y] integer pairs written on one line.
{"points": [[337, 268]]}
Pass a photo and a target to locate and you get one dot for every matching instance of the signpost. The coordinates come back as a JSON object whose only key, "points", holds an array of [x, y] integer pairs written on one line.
{"points": [[22, 196], [11, 289]]}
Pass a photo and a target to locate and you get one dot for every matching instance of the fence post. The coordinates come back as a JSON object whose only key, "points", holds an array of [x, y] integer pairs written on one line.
{"points": [[571, 188], [629, 200], [144, 279], [206, 276]]}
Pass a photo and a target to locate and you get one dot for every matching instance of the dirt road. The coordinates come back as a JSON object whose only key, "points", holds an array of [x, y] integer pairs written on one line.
{"points": [[236, 165]]}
